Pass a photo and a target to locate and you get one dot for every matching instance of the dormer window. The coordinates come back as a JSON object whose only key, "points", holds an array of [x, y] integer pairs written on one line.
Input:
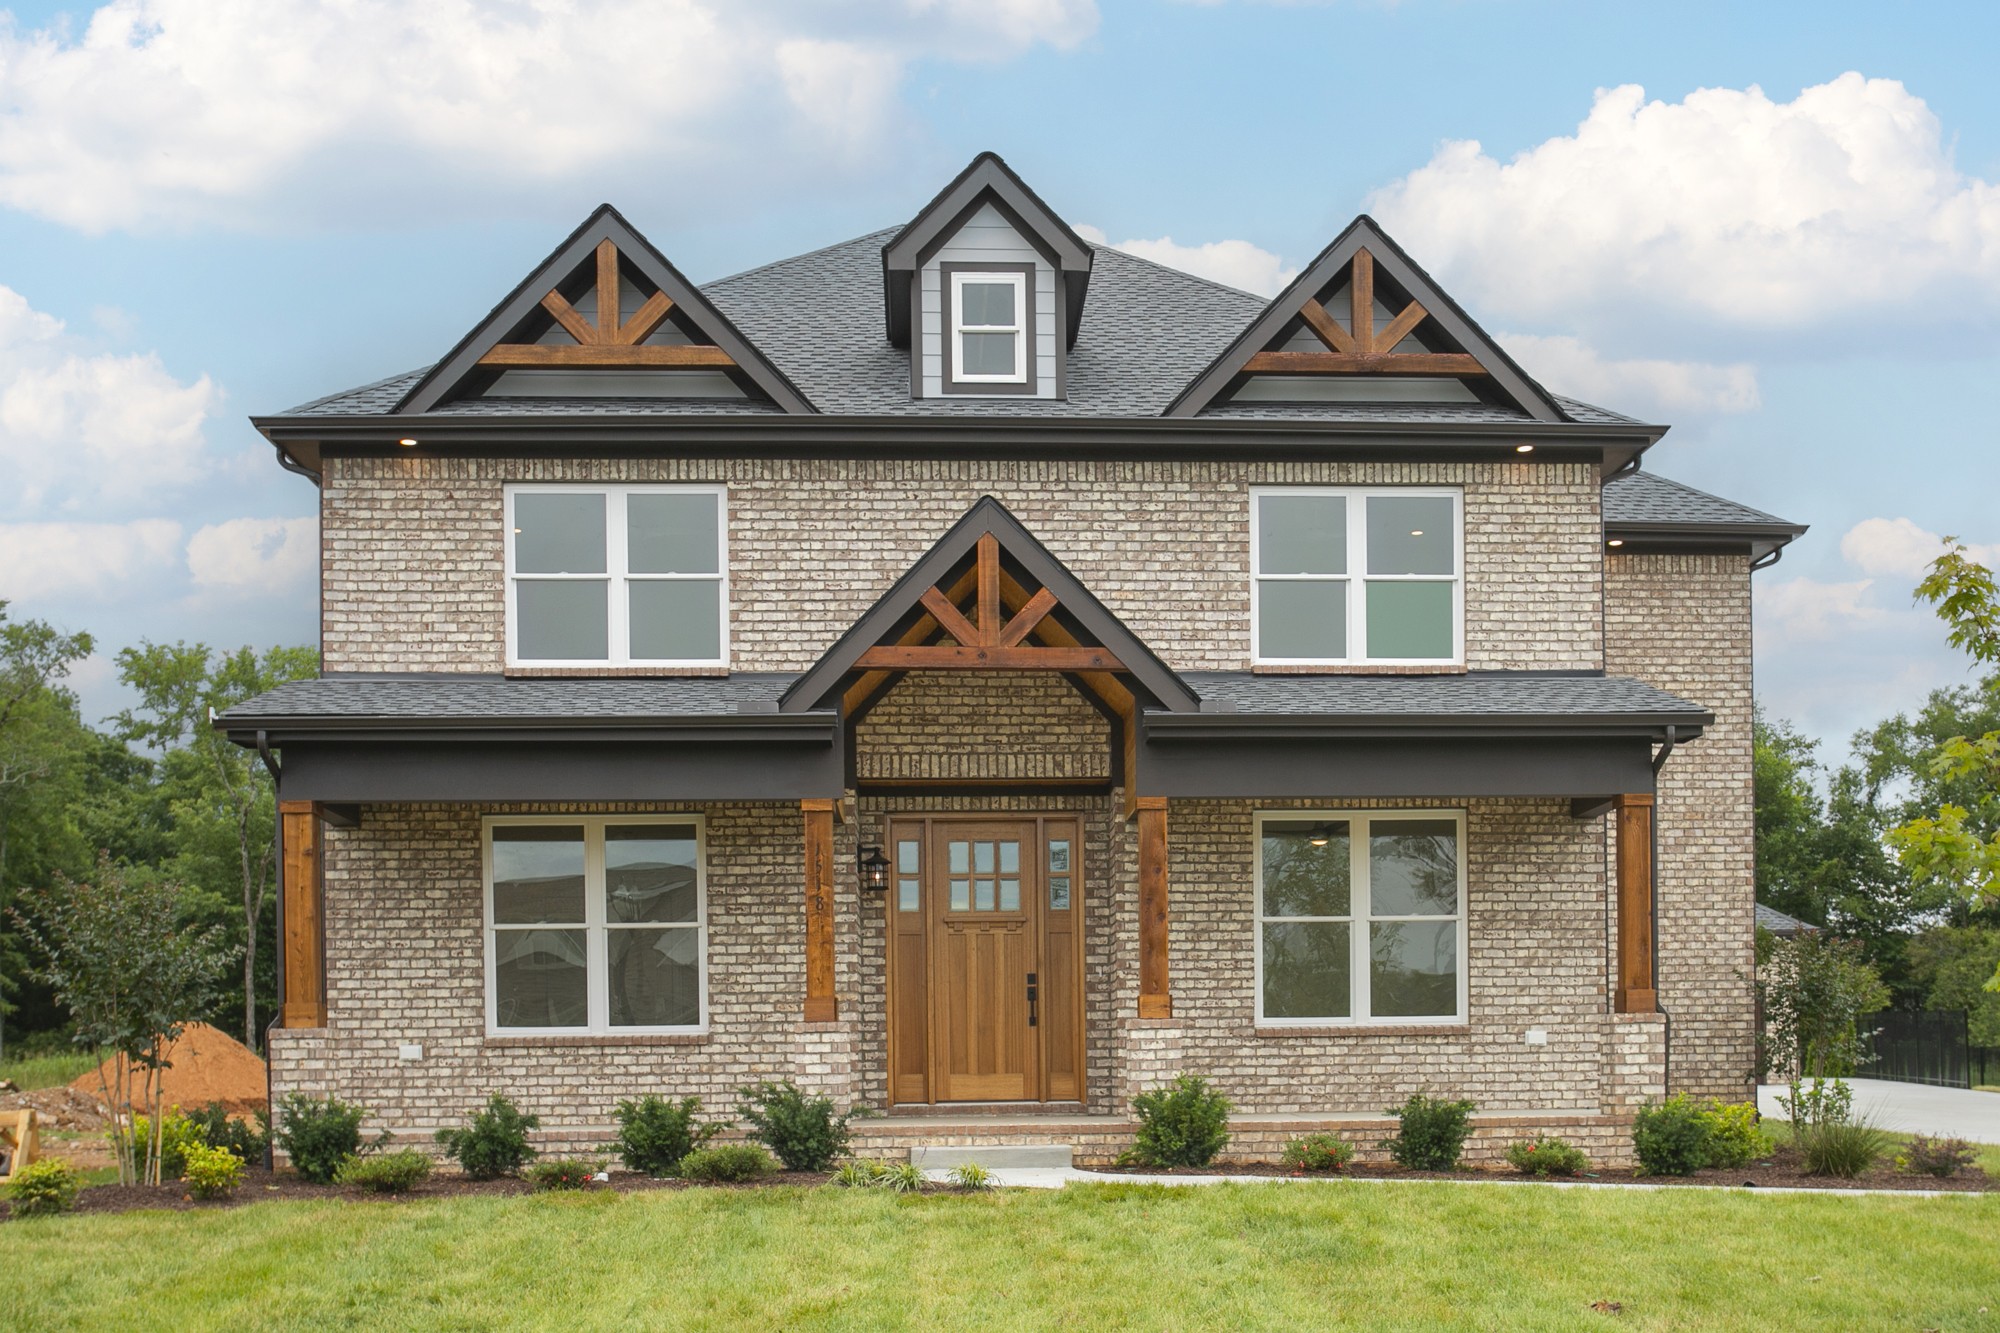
{"points": [[989, 312]]}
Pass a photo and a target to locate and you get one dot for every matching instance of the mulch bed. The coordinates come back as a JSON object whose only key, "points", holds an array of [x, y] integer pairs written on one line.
{"points": [[1782, 1168]]}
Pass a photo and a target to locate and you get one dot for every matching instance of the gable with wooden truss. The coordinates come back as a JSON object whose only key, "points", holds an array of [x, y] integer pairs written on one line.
{"points": [[607, 310], [1364, 323]]}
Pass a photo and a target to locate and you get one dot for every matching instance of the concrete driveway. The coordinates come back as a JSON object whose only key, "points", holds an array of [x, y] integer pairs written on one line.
{"points": [[1913, 1108]]}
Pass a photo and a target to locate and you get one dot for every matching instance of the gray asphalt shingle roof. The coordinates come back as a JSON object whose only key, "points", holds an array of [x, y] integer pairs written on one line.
{"points": [[1779, 923], [1496, 695], [1646, 498]]}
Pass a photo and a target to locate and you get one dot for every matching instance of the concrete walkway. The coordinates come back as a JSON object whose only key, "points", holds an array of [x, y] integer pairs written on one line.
{"points": [[1913, 1108]]}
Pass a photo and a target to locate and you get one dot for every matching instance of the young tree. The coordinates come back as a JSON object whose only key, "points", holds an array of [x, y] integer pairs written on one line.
{"points": [[130, 976], [1817, 988], [222, 796]]}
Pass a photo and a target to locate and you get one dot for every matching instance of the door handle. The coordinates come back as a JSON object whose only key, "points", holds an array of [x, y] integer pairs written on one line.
{"points": [[1031, 999]]}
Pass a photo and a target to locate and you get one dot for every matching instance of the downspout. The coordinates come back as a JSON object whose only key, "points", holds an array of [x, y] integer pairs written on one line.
{"points": [[278, 953], [1769, 558], [1667, 1047]]}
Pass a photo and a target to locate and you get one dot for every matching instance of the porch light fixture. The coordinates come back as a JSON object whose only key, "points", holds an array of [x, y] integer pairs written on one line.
{"points": [[874, 868], [1524, 448], [1320, 836]]}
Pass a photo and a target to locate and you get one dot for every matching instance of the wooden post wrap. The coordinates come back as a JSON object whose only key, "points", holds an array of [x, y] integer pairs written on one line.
{"points": [[1155, 1000], [821, 1006], [1635, 992], [305, 922]]}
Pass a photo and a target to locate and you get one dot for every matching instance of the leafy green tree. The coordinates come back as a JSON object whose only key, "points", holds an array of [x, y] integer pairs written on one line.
{"points": [[222, 801], [1953, 965], [1816, 988]]}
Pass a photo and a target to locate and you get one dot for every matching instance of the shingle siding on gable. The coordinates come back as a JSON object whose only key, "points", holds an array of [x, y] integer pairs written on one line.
{"points": [[987, 238], [413, 563]]}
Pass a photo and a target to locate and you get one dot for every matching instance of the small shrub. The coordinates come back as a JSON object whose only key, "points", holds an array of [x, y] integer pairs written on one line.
{"points": [[44, 1188], [727, 1163], [494, 1143], [1671, 1138], [211, 1173], [384, 1173], [177, 1134], [1318, 1152], [803, 1131], [563, 1173], [1942, 1158], [859, 1174], [1840, 1148], [1547, 1155], [1733, 1136], [1185, 1123], [1432, 1133], [318, 1135], [902, 1178], [219, 1129], [654, 1134], [972, 1177], [1823, 1102]]}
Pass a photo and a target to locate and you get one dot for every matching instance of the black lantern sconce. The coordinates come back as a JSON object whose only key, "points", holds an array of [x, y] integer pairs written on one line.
{"points": [[874, 869]]}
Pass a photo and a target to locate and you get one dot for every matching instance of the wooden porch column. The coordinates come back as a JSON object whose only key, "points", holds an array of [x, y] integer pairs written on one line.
{"points": [[304, 999], [1636, 993], [1155, 999], [821, 1007]]}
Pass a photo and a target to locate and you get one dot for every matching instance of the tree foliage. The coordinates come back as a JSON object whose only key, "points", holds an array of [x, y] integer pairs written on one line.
{"points": [[1817, 988]]}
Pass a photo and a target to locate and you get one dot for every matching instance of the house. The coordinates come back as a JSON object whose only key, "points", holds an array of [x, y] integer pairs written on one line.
{"points": [[979, 674], [1783, 925]]}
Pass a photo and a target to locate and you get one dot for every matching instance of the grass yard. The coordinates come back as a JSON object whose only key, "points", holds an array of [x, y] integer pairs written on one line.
{"points": [[1280, 1256], [47, 1071]]}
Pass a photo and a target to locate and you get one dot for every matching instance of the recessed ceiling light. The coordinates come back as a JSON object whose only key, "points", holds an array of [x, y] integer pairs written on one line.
{"points": [[1616, 541], [407, 443], [1416, 532], [1524, 448]]}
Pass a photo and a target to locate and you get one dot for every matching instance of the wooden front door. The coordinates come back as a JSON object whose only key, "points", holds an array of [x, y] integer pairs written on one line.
{"points": [[985, 959]]}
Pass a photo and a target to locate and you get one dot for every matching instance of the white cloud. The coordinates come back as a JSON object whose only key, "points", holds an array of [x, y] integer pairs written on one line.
{"points": [[255, 555], [1726, 206], [95, 560], [1570, 366], [1804, 608], [82, 432], [1899, 547], [1238, 264], [261, 111]]}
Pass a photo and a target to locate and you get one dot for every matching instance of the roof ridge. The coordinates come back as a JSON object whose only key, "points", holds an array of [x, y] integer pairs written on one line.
{"points": [[793, 259]]}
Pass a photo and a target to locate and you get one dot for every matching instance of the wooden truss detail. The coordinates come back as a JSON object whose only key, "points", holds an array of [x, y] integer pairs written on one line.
{"points": [[608, 342], [1365, 350]]}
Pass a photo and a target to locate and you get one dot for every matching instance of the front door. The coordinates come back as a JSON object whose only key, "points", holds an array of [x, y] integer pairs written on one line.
{"points": [[985, 960]]}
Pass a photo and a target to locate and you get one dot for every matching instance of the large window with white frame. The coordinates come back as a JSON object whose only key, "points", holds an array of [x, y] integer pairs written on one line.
{"points": [[617, 575], [596, 925], [1360, 917], [1352, 575]]}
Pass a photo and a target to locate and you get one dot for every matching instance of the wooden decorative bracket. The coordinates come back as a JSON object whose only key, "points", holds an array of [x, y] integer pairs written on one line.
{"points": [[608, 343], [1365, 350]]}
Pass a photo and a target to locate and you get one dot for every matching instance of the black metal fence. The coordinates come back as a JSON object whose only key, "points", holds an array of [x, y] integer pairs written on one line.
{"points": [[1926, 1048]]}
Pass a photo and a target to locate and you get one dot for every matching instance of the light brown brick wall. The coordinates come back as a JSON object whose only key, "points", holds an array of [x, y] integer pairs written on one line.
{"points": [[1682, 623], [413, 560]]}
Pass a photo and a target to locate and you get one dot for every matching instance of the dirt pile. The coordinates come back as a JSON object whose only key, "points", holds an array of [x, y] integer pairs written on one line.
{"points": [[59, 1108], [205, 1065]]}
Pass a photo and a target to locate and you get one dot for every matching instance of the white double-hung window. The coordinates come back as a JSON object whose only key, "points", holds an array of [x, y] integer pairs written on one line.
{"points": [[1360, 917], [1349, 575], [617, 575], [989, 327], [595, 925]]}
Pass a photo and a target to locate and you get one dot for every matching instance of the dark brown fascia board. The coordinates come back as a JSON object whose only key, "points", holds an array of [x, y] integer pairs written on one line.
{"points": [[1760, 539], [1365, 232], [1184, 727], [604, 223], [301, 439]]}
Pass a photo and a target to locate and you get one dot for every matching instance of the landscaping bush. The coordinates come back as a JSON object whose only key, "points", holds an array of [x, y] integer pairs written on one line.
{"points": [[858, 1174], [1733, 1136], [654, 1134], [1671, 1138], [1843, 1148], [563, 1173], [1318, 1152], [218, 1129], [211, 1173], [727, 1163], [803, 1131], [902, 1178], [1185, 1123], [44, 1188], [1547, 1155], [1938, 1157], [177, 1135], [494, 1142], [971, 1177], [384, 1173], [318, 1135], [1432, 1133]]}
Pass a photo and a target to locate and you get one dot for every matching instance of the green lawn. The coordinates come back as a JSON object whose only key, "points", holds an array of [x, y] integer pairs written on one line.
{"points": [[47, 1071], [1280, 1256]]}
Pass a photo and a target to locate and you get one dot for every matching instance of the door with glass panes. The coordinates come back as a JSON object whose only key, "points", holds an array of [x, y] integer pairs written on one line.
{"points": [[985, 965]]}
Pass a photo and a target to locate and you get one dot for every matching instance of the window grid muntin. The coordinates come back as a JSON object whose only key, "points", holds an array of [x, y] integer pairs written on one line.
{"points": [[617, 578], [1357, 576], [596, 927], [1019, 328], [1360, 915]]}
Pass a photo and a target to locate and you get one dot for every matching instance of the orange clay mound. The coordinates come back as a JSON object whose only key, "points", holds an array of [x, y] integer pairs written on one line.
{"points": [[205, 1065]]}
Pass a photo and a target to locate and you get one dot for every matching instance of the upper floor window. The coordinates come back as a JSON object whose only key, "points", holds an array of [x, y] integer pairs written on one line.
{"points": [[616, 576], [1344, 575], [990, 312]]}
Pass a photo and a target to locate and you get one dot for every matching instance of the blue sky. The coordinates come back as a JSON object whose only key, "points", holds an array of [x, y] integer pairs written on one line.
{"points": [[1787, 246]]}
